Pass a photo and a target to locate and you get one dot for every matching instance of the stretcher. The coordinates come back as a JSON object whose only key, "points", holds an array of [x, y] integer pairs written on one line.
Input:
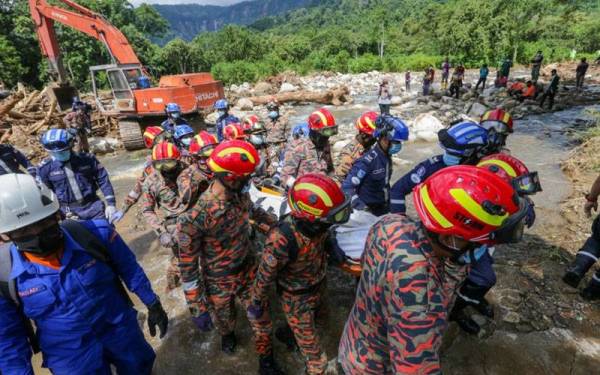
{"points": [[270, 199], [351, 238]]}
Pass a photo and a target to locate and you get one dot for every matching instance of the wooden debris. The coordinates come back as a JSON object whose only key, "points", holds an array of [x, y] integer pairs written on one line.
{"points": [[336, 96], [10, 104]]}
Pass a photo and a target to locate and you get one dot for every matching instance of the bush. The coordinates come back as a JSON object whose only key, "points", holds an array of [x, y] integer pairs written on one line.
{"points": [[417, 61], [365, 63], [235, 72]]}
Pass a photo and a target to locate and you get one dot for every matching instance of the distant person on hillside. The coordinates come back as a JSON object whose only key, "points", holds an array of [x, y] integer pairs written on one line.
{"points": [[536, 64], [384, 97], [445, 73], [580, 73], [551, 90], [483, 74], [407, 79]]}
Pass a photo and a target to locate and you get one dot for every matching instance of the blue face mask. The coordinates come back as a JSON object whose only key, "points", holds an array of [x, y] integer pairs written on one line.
{"points": [[395, 148], [221, 113], [186, 141], [477, 254], [273, 115], [64, 155], [175, 115], [450, 160]]}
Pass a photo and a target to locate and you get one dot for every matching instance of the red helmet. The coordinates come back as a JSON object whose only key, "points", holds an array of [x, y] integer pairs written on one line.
{"points": [[203, 144], [233, 160], [513, 171], [233, 131], [366, 122], [315, 197], [165, 151], [249, 122], [151, 135], [322, 121], [497, 119], [472, 203]]}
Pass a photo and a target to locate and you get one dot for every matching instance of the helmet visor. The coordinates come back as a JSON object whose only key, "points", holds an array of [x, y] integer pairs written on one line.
{"points": [[527, 184], [498, 126], [340, 214], [165, 165], [511, 230], [329, 131], [57, 146]]}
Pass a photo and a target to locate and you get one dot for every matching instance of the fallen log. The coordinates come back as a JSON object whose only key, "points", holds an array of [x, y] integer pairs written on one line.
{"points": [[335, 96], [22, 116], [10, 104], [25, 102]]}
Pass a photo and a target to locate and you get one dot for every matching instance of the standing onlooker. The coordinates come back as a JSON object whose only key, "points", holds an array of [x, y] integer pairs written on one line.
{"points": [[551, 90], [536, 64], [428, 80], [407, 79], [483, 74], [384, 97], [505, 67], [455, 83], [445, 73], [580, 73]]}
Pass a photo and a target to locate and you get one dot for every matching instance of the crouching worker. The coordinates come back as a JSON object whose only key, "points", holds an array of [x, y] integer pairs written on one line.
{"points": [[67, 278], [401, 308], [294, 258]]}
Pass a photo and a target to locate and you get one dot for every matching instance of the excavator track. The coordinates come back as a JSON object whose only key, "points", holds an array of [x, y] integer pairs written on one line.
{"points": [[131, 135]]}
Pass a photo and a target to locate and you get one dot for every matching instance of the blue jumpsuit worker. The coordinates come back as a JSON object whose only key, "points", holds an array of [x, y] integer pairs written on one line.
{"points": [[173, 112], [75, 178], [368, 182], [84, 322], [224, 119], [460, 143], [13, 160]]}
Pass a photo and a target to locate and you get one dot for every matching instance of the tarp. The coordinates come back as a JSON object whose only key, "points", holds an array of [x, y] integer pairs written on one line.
{"points": [[351, 236]]}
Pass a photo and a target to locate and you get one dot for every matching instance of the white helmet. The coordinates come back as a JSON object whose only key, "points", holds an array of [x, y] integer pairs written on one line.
{"points": [[23, 202]]}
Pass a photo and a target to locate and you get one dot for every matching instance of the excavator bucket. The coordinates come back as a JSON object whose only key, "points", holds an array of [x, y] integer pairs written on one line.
{"points": [[63, 94]]}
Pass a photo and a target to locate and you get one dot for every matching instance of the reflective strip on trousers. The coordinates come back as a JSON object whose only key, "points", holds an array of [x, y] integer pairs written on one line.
{"points": [[585, 253], [5, 167], [73, 182]]}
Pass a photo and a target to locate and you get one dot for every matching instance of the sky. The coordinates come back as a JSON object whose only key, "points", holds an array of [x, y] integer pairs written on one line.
{"points": [[201, 2]]}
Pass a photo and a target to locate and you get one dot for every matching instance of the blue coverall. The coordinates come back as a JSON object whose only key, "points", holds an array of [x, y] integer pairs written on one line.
{"points": [[169, 124], [11, 161], [369, 181], [75, 184], [84, 323], [224, 121]]}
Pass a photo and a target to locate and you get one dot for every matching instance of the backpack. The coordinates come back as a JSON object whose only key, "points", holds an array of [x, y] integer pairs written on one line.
{"points": [[80, 234]]}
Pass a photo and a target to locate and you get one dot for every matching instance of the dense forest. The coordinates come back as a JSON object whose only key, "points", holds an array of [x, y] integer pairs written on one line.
{"points": [[338, 35]]}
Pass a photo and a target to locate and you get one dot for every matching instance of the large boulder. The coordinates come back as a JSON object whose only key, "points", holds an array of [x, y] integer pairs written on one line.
{"points": [[263, 88], [103, 145], [245, 104], [477, 110], [288, 87], [425, 128]]}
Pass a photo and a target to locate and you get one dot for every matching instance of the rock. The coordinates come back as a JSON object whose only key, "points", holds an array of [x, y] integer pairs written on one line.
{"points": [[477, 110], [425, 127], [339, 145], [509, 299], [263, 88], [103, 145], [435, 105], [512, 317], [245, 104], [288, 87]]}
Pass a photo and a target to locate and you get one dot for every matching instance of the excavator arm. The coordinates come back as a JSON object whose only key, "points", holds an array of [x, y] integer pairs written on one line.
{"points": [[79, 18]]}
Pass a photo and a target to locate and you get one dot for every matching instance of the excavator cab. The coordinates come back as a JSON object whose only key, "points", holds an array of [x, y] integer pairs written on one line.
{"points": [[116, 84]]}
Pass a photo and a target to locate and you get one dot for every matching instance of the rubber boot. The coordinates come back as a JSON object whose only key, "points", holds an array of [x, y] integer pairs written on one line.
{"points": [[268, 366], [228, 343], [285, 335], [583, 262], [474, 295], [592, 291], [464, 322]]}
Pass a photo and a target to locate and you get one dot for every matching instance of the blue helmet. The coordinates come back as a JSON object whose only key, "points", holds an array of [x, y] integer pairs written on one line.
{"points": [[221, 104], [300, 130], [173, 108], [182, 131], [391, 127], [56, 140], [463, 138], [143, 82]]}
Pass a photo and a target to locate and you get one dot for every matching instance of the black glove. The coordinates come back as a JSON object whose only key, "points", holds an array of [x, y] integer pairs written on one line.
{"points": [[157, 317], [336, 255]]}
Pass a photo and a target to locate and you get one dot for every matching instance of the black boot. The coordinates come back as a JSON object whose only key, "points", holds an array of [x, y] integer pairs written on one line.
{"points": [[268, 366], [228, 343], [474, 295], [592, 291], [463, 320], [576, 271], [285, 335]]}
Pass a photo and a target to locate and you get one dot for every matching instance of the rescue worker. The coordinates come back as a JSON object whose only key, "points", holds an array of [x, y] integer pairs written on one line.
{"points": [[67, 279], [162, 204], [300, 131], [361, 143], [294, 258], [256, 134], [482, 277], [234, 131], [401, 308], [75, 178], [277, 133], [589, 252], [152, 135], [551, 90], [536, 64], [183, 138], [222, 108], [216, 253], [194, 180], [384, 97], [499, 124], [13, 161], [78, 122], [368, 183], [505, 67], [173, 112], [312, 154], [461, 143]]}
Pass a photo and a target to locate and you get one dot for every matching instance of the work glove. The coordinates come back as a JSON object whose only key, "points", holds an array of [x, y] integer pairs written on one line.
{"points": [[116, 217], [166, 240], [530, 216], [255, 311], [203, 322], [157, 317], [110, 212]]}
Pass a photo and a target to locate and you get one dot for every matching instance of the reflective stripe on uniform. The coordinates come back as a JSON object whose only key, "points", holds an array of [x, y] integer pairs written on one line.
{"points": [[4, 166], [397, 201], [73, 182], [585, 253]]}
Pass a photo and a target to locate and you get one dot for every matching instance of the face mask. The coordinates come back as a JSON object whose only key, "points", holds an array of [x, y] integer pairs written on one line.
{"points": [[395, 148], [472, 256], [44, 243], [450, 160], [186, 141], [257, 140], [273, 115], [175, 115], [64, 155], [221, 113]]}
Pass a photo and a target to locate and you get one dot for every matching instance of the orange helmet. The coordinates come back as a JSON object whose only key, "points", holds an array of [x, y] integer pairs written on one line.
{"points": [[203, 144], [513, 171], [366, 122], [471, 203], [499, 120], [165, 156], [323, 122], [151, 135], [316, 197], [233, 160], [233, 131]]}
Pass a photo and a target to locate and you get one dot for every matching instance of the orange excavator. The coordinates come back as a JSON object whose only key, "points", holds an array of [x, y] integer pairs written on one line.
{"points": [[124, 83]]}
